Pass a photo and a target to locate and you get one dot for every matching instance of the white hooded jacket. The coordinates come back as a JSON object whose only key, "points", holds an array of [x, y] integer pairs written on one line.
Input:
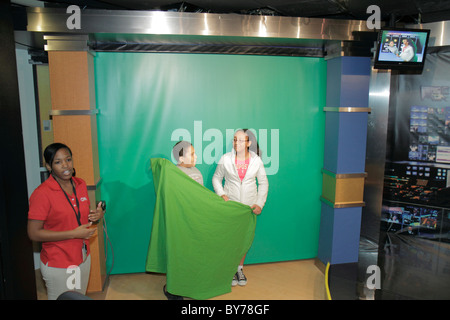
{"points": [[247, 191]]}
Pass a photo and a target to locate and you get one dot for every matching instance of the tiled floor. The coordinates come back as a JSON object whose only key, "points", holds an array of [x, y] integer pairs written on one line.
{"points": [[291, 280]]}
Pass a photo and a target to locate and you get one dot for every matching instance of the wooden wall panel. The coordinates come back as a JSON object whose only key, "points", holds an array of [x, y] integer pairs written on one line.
{"points": [[72, 87], [75, 131], [69, 85]]}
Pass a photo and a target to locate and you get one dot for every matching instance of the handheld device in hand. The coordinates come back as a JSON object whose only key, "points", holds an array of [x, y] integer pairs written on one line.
{"points": [[103, 204], [103, 208]]}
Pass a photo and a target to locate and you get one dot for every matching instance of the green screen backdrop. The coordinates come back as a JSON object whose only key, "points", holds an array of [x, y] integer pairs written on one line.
{"points": [[149, 101]]}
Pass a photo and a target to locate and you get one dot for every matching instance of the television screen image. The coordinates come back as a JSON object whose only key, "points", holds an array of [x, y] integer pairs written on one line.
{"points": [[443, 154], [434, 93], [428, 219], [429, 138], [401, 48], [409, 217]]}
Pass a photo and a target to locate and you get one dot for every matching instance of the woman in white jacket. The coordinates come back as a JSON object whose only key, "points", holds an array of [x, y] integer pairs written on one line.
{"points": [[241, 168]]}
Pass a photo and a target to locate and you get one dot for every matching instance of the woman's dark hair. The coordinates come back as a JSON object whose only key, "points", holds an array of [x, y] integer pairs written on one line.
{"points": [[51, 150], [251, 137]]}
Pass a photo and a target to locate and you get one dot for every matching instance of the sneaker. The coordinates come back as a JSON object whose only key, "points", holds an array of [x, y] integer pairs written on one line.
{"points": [[171, 296], [234, 282], [242, 280]]}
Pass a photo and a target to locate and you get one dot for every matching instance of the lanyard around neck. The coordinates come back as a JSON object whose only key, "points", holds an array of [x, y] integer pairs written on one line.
{"points": [[77, 214]]}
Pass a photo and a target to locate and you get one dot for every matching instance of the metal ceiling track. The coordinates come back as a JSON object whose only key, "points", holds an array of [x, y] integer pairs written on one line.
{"points": [[162, 31]]}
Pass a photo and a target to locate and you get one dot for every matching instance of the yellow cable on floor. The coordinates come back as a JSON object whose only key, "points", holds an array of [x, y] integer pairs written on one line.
{"points": [[326, 281]]}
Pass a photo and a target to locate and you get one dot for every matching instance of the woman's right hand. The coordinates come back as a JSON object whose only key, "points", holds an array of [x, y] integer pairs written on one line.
{"points": [[225, 197], [84, 231], [36, 232]]}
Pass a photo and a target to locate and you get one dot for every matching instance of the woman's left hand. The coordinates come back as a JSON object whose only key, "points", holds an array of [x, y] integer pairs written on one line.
{"points": [[256, 209], [97, 214]]}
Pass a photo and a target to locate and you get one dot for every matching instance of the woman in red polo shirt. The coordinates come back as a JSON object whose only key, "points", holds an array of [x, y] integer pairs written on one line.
{"points": [[60, 218]]}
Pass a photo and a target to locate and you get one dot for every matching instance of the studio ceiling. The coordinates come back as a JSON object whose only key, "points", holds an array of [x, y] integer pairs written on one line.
{"points": [[393, 13]]}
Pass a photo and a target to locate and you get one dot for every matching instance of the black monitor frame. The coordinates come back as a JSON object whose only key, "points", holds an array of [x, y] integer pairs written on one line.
{"points": [[396, 63]]}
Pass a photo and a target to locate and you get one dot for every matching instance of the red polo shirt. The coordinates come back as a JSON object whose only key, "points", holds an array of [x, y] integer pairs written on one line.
{"points": [[48, 203]]}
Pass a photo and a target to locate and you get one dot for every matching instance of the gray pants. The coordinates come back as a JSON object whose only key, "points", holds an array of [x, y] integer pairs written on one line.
{"points": [[60, 280]]}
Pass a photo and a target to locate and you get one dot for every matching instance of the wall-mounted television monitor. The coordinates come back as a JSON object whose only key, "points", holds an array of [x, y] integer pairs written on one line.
{"points": [[401, 49]]}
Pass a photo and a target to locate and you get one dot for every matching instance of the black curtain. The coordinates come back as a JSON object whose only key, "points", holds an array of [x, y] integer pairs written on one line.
{"points": [[16, 264]]}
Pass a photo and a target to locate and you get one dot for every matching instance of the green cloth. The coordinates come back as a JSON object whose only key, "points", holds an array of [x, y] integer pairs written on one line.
{"points": [[197, 238]]}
